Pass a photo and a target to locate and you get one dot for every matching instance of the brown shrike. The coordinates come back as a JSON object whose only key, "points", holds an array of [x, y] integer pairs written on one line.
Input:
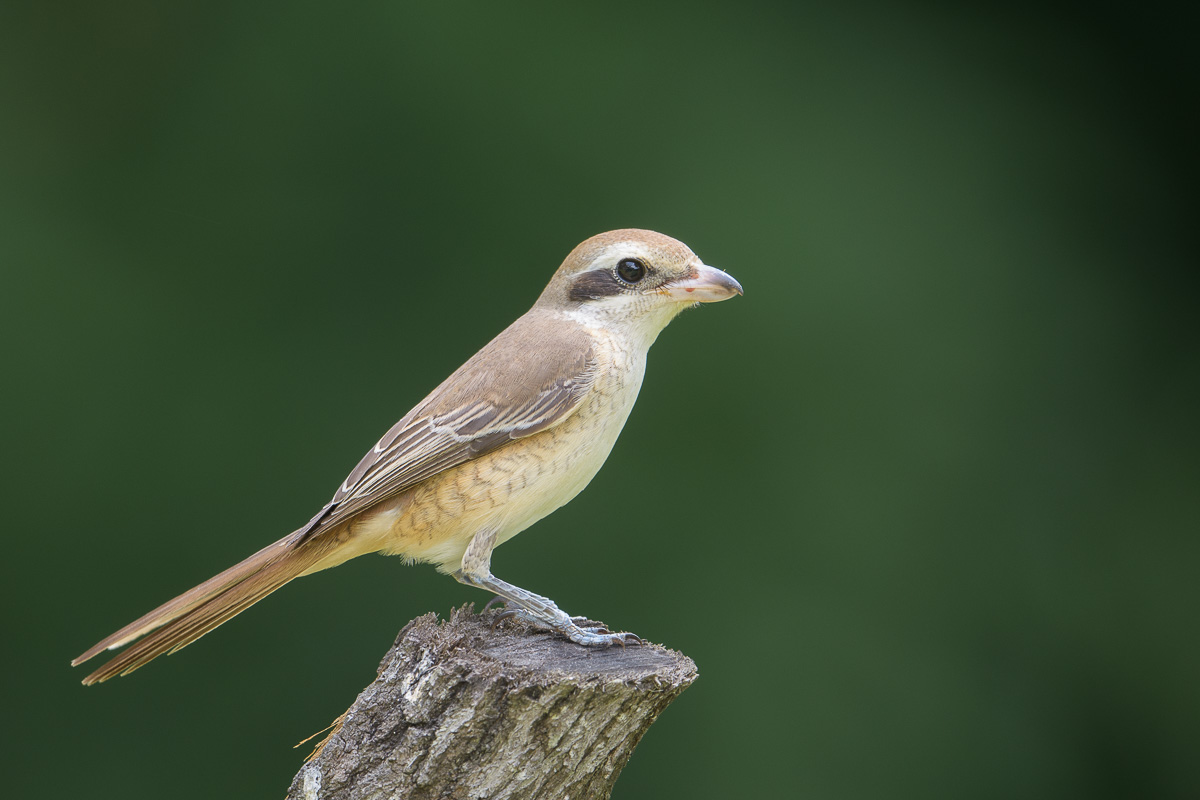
{"points": [[513, 434]]}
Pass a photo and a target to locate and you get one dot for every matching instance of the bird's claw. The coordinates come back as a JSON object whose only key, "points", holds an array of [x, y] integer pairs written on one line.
{"points": [[492, 602], [569, 627], [582, 624]]}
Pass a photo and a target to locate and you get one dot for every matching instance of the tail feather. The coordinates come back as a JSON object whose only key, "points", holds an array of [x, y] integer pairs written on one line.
{"points": [[183, 620]]}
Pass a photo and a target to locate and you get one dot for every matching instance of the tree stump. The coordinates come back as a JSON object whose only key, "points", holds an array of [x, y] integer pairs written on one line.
{"points": [[472, 709]]}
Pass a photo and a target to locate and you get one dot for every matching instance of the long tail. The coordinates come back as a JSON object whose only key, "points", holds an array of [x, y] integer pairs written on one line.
{"points": [[179, 622]]}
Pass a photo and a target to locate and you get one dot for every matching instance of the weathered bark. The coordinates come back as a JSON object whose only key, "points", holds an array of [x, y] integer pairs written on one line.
{"points": [[464, 710]]}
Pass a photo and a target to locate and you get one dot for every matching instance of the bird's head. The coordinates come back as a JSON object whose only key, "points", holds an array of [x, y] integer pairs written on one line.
{"points": [[634, 280]]}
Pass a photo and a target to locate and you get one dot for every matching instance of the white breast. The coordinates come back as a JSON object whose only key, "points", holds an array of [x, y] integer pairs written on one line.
{"points": [[512, 488], [580, 445]]}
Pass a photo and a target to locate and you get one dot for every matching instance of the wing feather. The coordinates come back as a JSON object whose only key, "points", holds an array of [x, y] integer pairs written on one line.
{"points": [[492, 400]]}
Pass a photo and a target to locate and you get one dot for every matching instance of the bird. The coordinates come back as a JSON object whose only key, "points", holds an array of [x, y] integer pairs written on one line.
{"points": [[513, 434]]}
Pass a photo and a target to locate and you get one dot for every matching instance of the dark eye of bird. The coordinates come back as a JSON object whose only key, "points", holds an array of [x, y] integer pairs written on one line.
{"points": [[631, 270]]}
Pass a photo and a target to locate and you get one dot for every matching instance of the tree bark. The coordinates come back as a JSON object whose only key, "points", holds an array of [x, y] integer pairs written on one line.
{"points": [[467, 708]]}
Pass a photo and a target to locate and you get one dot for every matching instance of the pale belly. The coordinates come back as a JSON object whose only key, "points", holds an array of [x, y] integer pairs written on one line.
{"points": [[505, 491]]}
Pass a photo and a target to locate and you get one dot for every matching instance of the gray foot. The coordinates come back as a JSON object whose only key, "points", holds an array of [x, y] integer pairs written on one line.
{"points": [[541, 612], [570, 627]]}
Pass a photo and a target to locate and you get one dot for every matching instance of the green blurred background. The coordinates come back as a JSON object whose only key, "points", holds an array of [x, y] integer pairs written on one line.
{"points": [[922, 505]]}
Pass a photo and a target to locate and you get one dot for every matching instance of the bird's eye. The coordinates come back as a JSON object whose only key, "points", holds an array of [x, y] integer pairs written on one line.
{"points": [[631, 270]]}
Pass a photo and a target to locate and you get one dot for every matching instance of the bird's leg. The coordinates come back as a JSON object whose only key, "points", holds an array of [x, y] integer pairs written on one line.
{"points": [[533, 608], [512, 612]]}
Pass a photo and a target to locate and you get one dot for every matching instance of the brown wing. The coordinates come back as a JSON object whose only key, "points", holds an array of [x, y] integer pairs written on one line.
{"points": [[529, 378]]}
